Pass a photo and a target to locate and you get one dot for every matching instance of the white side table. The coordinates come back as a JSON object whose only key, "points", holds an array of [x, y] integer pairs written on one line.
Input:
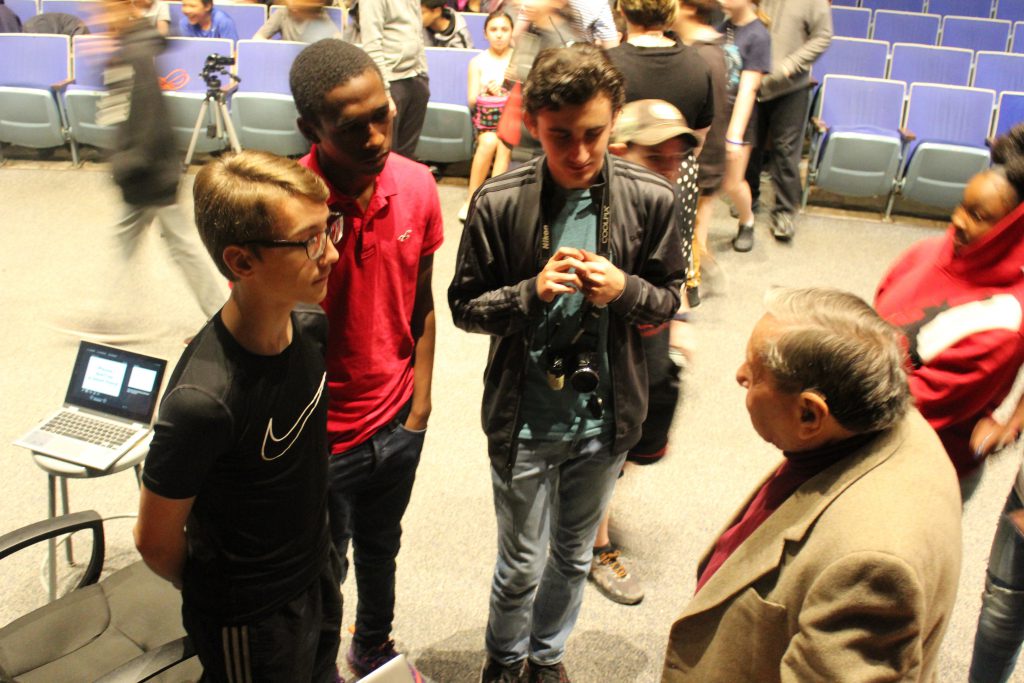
{"points": [[60, 469]]}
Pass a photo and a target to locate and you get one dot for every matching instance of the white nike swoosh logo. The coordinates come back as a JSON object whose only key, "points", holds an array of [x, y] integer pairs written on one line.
{"points": [[293, 434]]}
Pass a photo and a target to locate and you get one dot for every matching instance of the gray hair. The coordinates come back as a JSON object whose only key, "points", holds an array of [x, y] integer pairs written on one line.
{"points": [[833, 343]]}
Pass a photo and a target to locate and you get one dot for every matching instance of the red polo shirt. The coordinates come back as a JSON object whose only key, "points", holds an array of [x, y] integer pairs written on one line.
{"points": [[370, 297]]}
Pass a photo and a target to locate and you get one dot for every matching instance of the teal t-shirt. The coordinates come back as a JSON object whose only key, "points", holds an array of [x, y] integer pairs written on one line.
{"points": [[547, 414]]}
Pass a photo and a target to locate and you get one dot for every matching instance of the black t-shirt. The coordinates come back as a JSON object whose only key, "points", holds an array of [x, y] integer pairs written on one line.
{"points": [[747, 48], [676, 74], [246, 435]]}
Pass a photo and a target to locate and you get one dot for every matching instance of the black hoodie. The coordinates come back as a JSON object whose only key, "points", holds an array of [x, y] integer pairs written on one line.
{"points": [[146, 165]]}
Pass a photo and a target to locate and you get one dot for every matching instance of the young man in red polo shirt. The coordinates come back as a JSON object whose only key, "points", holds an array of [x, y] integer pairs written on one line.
{"points": [[380, 349]]}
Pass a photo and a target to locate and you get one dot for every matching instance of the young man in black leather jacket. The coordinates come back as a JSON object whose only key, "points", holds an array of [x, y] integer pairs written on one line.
{"points": [[560, 260]]}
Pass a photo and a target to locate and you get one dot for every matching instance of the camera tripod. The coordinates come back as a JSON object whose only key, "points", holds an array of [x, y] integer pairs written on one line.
{"points": [[221, 121]]}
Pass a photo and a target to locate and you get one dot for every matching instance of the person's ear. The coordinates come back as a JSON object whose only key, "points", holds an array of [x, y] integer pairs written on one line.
{"points": [[239, 260], [814, 413], [531, 124], [618, 148], [307, 130]]}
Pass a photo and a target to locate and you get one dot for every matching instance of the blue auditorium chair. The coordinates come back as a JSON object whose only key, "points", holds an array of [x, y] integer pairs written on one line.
{"points": [[475, 23], [852, 57], [976, 34], [1017, 44], [948, 127], [899, 5], [906, 27], [178, 68], [961, 8], [25, 9], [262, 108], [82, 96], [845, 3], [248, 18], [999, 71], [447, 135], [1011, 10], [848, 57], [1009, 113], [33, 70], [923, 64], [856, 145], [850, 22]]}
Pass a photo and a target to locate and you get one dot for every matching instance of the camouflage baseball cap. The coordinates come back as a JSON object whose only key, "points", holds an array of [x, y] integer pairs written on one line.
{"points": [[651, 122]]}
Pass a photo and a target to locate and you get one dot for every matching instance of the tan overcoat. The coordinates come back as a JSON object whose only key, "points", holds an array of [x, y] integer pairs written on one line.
{"points": [[853, 578]]}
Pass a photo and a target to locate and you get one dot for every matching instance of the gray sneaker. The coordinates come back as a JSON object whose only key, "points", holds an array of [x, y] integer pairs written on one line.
{"points": [[783, 228], [612, 577], [744, 239]]}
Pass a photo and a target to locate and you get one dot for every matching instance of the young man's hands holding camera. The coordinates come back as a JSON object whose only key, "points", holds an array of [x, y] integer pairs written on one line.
{"points": [[571, 270]]}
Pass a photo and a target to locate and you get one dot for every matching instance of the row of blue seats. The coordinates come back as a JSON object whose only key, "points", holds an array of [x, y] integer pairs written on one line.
{"points": [[1013, 10], [998, 35], [877, 138], [248, 17], [998, 71], [50, 87]]}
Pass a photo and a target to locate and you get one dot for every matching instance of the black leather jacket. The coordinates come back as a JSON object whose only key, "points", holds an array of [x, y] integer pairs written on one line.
{"points": [[494, 290]]}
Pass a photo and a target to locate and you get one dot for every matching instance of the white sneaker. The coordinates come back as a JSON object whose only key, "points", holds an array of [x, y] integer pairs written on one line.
{"points": [[464, 212]]}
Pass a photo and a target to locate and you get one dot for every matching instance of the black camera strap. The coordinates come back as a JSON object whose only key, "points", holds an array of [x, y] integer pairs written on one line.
{"points": [[603, 228]]}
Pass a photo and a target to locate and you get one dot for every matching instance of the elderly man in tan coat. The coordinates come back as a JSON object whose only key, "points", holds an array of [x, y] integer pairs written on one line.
{"points": [[843, 564]]}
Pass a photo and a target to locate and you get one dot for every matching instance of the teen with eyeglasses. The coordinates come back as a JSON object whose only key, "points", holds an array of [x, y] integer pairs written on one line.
{"points": [[233, 508]]}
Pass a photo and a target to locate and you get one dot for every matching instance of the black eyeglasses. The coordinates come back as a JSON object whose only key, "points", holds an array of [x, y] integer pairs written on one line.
{"points": [[316, 245]]}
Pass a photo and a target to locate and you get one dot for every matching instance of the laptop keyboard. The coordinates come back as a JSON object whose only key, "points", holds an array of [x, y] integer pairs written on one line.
{"points": [[90, 429]]}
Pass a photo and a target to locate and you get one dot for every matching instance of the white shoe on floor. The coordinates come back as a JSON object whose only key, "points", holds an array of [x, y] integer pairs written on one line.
{"points": [[464, 212]]}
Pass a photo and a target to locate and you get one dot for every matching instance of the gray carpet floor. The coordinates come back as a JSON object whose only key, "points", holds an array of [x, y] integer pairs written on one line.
{"points": [[54, 258]]}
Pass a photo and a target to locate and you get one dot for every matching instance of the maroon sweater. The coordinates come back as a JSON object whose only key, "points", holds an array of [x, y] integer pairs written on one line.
{"points": [[794, 471]]}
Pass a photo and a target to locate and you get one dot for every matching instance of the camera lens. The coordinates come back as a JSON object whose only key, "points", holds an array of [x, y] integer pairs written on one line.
{"points": [[584, 378]]}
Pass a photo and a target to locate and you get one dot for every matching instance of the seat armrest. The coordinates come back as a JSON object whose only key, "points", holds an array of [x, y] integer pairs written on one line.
{"points": [[907, 135], [62, 85], [153, 663], [24, 537]]}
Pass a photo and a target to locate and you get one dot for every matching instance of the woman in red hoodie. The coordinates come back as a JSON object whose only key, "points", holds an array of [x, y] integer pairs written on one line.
{"points": [[959, 299]]}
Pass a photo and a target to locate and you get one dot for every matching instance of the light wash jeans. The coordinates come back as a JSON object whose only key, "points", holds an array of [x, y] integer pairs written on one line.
{"points": [[1001, 623], [547, 521]]}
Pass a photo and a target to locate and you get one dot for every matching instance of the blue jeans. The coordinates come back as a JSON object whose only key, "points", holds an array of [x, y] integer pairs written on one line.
{"points": [[1001, 623], [369, 490], [547, 521]]}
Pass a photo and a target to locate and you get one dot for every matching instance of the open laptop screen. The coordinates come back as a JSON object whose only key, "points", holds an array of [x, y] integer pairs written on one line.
{"points": [[116, 382]]}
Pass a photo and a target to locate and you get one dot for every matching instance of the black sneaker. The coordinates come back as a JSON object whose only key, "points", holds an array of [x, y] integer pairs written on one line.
{"points": [[744, 239], [783, 228], [496, 672], [364, 660], [546, 673]]}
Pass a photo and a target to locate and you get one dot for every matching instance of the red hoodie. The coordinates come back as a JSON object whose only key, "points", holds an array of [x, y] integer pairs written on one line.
{"points": [[962, 314]]}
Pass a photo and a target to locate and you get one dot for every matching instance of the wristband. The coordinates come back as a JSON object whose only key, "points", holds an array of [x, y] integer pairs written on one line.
{"points": [[741, 143], [683, 317]]}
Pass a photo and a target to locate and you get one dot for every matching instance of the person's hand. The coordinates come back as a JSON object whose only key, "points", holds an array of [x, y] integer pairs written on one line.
{"points": [[602, 281], [493, 88], [560, 274], [990, 436], [682, 343]]}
